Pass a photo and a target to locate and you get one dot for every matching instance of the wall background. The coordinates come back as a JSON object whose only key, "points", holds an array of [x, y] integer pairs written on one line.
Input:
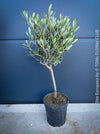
{"points": [[24, 80]]}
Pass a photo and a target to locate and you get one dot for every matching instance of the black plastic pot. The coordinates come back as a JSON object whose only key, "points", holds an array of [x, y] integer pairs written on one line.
{"points": [[56, 115]]}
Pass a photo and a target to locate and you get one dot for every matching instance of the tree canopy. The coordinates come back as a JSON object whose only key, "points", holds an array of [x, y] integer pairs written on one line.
{"points": [[48, 37]]}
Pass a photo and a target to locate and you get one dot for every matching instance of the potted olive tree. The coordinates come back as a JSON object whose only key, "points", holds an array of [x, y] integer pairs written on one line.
{"points": [[49, 39]]}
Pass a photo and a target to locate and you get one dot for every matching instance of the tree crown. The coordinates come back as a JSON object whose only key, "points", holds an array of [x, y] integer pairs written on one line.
{"points": [[49, 37]]}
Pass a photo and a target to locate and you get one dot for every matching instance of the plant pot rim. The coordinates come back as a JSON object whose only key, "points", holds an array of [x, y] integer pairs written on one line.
{"points": [[57, 93]]}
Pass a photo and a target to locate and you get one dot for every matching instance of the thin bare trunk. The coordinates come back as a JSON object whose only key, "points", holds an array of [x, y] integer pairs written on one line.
{"points": [[54, 83]]}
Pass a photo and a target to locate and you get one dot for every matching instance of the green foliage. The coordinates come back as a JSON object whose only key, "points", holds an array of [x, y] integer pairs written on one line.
{"points": [[49, 37]]}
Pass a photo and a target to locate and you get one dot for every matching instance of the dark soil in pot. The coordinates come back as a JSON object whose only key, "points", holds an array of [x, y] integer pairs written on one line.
{"points": [[56, 109], [60, 100]]}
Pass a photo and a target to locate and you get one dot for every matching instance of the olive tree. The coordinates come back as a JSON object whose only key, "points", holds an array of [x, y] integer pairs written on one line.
{"points": [[49, 38]]}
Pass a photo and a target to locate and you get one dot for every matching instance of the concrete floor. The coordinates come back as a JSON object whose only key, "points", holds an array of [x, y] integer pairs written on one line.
{"points": [[31, 119]]}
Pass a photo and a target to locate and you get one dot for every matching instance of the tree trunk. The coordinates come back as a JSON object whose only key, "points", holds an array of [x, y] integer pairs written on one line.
{"points": [[54, 83]]}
